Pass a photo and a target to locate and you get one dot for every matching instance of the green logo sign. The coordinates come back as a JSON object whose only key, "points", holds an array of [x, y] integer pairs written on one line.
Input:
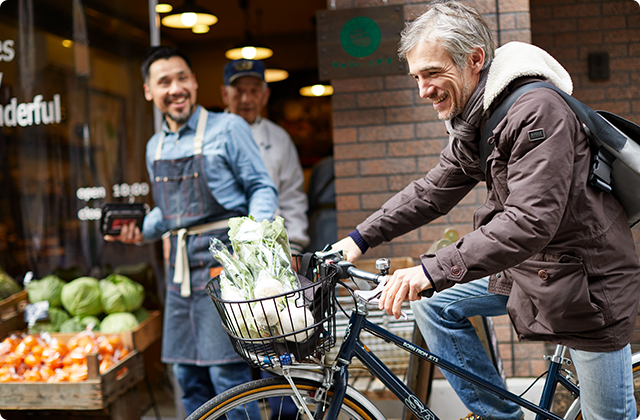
{"points": [[360, 36]]}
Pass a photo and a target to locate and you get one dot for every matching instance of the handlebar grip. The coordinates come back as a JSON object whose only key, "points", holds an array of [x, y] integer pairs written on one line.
{"points": [[427, 293]]}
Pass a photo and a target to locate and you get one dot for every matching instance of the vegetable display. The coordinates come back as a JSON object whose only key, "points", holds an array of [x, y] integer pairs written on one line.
{"points": [[80, 323], [85, 301], [48, 288], [261, 270], [118, 322], [41, 358], [119, 293], [82, 297], [8, 286]]}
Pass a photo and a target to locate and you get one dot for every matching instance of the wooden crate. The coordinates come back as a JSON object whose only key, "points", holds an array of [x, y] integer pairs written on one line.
{"points": [[147, 332], [95, 393], [12, 313]]}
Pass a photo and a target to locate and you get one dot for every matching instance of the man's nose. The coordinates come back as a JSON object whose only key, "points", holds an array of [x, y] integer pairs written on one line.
{"points": [[175, 88], [426, 88]]}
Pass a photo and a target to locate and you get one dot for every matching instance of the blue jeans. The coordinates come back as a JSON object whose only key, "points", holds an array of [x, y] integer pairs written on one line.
{"points": [[606, 384], [444, 324], [606, 379], [201, 383]]}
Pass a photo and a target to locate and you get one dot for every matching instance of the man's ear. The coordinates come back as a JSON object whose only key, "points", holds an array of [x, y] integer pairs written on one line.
{"points": [[265, 99], [476, 59], [225, 95], [147, 92]]}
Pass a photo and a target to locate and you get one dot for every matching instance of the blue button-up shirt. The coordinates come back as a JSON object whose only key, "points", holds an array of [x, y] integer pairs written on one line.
{"points": [[236, 174]]}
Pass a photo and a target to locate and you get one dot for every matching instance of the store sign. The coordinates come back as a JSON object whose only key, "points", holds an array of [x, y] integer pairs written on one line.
{"points": [[359, 42], [7, 53], [31, 113], [25, 114]]}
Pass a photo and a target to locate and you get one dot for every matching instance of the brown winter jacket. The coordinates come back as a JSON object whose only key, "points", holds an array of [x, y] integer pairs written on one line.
{"points": [[562, 251]]}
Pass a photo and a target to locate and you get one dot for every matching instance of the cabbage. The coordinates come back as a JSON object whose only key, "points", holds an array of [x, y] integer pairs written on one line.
{"points": [[141, 314], [120, 294], [8, 286], [85, 321], [43, 326], [57, 317], [72, 325], [118, 322], [79, 324], [81, 297], [48, 288]]}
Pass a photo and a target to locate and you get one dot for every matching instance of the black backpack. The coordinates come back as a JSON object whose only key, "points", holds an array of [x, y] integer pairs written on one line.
{"points": [[615, 166]]}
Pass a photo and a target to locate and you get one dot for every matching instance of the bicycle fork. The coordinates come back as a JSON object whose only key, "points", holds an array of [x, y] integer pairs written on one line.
{"points": [[320, 396], [554, 376]]}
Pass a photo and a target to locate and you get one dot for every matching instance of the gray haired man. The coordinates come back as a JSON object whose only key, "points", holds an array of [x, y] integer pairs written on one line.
{"points": [[549, 250]]}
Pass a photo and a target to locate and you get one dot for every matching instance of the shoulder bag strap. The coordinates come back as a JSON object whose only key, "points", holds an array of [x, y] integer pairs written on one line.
{"points": [[595, 124]]}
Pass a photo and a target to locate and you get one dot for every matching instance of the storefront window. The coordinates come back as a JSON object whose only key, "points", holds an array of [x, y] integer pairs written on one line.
{"points": [[73, 129]]}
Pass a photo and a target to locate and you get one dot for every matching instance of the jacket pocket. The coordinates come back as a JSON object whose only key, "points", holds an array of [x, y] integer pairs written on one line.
{"points": [[550, 295]]}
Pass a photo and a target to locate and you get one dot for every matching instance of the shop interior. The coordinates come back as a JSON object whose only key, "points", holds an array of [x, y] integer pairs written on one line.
{"points": [[81, 59]]}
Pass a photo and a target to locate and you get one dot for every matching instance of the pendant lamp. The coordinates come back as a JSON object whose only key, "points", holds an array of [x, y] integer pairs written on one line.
{"points": [[189, 15], [249, 48], [317, 90]]}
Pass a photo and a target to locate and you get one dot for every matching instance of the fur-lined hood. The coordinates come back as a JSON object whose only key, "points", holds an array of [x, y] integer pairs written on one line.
{"points": [[518, 59]]}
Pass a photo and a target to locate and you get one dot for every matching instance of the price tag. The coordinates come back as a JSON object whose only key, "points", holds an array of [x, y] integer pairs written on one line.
{"points": [[36, 312]]}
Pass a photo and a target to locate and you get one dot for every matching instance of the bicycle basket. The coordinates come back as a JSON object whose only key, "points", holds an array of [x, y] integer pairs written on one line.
{"points": [[282, 329]]}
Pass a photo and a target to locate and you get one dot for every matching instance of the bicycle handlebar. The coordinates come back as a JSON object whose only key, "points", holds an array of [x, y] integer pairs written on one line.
{"points": [[347, 269]]}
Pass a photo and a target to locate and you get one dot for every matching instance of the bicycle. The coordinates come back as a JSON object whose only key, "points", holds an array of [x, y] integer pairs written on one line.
{"points": [[321, 391]]}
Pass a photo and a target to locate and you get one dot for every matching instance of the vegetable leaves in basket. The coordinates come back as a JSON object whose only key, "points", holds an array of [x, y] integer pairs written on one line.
{"points": [[260, 271], [263, 257]]}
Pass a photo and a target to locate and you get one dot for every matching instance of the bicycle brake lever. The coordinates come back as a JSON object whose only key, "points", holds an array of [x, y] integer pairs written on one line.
{"points": [[371, 296]]}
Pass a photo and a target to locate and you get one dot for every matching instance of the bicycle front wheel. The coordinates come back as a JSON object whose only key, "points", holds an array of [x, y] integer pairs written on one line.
{"points": [[277, 390]]}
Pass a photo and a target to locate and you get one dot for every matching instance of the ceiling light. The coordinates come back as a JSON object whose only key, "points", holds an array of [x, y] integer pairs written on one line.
{"points": [[189, 15], [249, 49], [249, 52], [163, 8], [200, 29], [317, 90], [275, 75]]}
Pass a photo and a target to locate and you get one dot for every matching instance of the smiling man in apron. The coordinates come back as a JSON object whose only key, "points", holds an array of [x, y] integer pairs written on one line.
{"points": [[205, 168]]}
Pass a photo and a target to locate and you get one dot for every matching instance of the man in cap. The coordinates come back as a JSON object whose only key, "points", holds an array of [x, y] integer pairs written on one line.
{"points": [[245, 93]]}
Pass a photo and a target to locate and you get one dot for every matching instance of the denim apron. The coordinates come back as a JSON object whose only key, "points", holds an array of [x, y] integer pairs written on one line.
{"points": [[192, 331]]}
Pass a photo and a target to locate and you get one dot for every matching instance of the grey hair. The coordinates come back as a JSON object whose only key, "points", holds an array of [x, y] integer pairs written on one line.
{"points": [[459, 28]]}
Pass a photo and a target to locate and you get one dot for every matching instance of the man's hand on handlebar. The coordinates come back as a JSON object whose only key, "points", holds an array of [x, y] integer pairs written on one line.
{"points": [[129, 234], [350, 250], [405, 284]]}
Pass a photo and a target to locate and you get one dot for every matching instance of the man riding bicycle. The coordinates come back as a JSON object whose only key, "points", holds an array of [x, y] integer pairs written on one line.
{"points": [[559, 255]]}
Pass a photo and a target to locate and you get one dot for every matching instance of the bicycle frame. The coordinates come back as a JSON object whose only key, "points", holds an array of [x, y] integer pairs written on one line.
{"points": [[352, 347]]}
